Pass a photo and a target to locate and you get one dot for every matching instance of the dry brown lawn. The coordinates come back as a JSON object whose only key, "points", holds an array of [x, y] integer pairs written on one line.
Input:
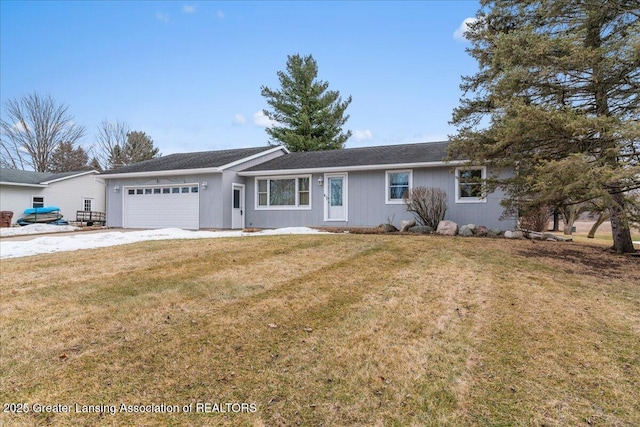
{"points": [[323, 330]]}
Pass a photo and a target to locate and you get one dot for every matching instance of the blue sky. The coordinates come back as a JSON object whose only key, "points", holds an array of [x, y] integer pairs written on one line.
{"points": [[189, 73]]}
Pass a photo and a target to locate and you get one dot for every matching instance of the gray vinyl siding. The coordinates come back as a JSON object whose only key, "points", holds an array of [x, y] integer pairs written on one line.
{"points": [[367, 205]]}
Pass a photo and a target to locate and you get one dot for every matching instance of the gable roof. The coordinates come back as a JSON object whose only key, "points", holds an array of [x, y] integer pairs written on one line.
{"points": [[36, 179], [216, 160], [403, 155]]}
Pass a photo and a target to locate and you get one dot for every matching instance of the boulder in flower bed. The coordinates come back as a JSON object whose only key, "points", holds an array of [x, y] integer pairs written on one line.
{"points": [[481, 231], [421, 229], [406, 225], [447, 228], [466, 231]]}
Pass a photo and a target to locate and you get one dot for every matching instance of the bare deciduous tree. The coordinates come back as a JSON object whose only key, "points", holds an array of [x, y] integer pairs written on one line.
{"points": [[119, 146], [111, 140], [34, 127], [429, 205]]}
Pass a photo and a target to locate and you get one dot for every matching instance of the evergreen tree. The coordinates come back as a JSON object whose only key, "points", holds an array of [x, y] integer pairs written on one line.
{"points": [[67, 158], [139, 147], [308, 116], [118, 146], [557, 99]]}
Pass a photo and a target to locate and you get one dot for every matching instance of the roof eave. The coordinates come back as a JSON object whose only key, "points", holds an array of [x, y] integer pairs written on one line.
{"points": [[169, 172], [387, 166], [71, 176], [23, 184], [253, 157]]}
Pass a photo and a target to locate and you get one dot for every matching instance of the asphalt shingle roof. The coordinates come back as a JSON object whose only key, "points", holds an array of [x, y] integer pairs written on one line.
{"points": [[199, 160], [31, 177], [365, 156]]}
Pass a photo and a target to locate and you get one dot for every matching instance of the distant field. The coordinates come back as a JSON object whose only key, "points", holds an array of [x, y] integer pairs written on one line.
{"points": [[331, 330]]}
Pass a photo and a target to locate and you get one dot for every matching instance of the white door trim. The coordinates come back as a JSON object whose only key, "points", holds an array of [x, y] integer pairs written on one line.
{"points": [[242, 209], [345, 196]]}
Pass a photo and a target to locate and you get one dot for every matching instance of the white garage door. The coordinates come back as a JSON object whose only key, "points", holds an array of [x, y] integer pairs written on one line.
{"points": [[169, 206]]}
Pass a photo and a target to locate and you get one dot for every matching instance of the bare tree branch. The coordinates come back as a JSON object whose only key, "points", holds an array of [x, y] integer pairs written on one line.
{"points": [[34, 128]]}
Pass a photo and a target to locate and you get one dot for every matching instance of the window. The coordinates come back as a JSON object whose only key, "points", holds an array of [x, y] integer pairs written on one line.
{"points": [[194, 189], [236, 198], [398, 184], [303, 191], [87, 204], [131, 191], [263, 194], [166, 191], [175, 190], [148, 191], [139, 191], [469, 185], [156, 190], [37, 202], [293, 192]]}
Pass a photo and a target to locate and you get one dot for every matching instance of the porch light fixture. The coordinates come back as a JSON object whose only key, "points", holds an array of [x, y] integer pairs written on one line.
{"points": [[320, 180], [116, 189], [204, 185]]}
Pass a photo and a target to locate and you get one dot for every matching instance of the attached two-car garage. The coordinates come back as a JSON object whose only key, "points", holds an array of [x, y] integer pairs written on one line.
{"points": [[166, 206]]}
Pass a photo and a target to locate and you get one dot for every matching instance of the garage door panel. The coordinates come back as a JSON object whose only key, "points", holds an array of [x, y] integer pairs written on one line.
{"points": [[149, 209]]}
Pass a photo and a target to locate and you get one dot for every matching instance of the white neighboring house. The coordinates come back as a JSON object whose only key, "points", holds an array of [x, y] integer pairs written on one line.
{"points": [[70, 191]]}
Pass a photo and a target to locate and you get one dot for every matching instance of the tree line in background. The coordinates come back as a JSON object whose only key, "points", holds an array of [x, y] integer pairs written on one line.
{"points": [[40, 134]]}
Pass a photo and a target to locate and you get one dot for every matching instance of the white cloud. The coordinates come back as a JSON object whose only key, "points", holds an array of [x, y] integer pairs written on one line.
{"points": [[459, 33], [162, 17], [362, 135], [220, 14], [239, 119], [259, 119], [189, 9]]}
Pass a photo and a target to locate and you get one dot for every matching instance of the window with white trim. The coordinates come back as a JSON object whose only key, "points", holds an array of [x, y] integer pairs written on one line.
{"points": [[283, 192], [87, 204], [37, 201], [398, 183], [469, 184]]}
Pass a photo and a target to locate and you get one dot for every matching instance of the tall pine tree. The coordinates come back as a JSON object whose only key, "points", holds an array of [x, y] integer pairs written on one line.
{"points": [[557, 99], [69, 158], [307, 116]]}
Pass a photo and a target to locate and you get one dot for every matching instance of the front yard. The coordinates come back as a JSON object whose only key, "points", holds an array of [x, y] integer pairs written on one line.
{"points": [[322, 330]]}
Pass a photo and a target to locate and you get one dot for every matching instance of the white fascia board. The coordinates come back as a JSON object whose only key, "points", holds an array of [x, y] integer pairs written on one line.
{"points": [[353, 168], [170, 172], [21, 184], [71, 176], [255, 156]]}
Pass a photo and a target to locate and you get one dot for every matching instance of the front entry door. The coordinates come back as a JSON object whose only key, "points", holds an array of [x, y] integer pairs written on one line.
{"points": [[335, 197], [237, 202]]}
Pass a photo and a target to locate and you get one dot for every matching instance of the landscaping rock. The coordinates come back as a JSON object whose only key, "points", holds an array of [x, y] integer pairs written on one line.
{"points": [[447, 228], [466, 231], [481, 231], [388, 228], [493, 233], [421, 229], [514, 235], [406, 225]]}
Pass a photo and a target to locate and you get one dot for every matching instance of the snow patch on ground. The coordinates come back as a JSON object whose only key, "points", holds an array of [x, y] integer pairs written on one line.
{"points": [[35, 229], [50, 244]]}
